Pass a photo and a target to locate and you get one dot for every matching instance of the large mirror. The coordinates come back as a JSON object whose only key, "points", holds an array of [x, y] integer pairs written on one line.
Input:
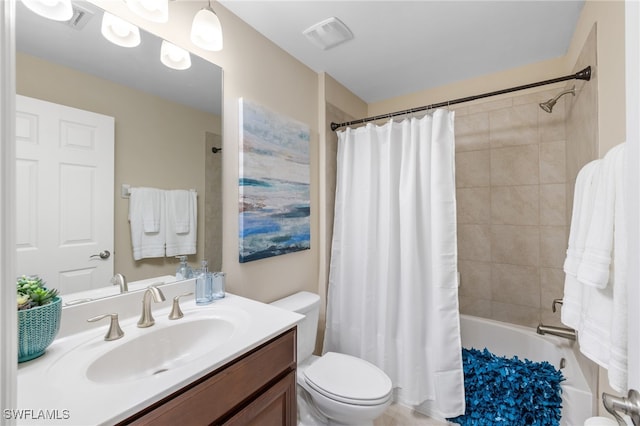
{"points": [[164, 125]]}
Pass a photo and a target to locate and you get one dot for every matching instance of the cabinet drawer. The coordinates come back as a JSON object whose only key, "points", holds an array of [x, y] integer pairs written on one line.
{"points": [[276, 407], [223, 390]]}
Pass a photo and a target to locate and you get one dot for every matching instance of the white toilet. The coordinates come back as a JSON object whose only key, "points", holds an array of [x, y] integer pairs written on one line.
{"points": [[345, 390]]}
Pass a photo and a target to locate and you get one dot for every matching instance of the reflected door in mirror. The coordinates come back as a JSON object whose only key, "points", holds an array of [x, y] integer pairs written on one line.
{"points": [[64, 170]]}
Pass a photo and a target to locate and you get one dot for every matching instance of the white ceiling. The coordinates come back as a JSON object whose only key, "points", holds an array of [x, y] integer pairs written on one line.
{"points": [[402, 47]]}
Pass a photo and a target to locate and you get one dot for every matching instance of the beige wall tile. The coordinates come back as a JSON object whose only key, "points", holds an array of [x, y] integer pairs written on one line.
{"points": [[515, 245], [523, 171], [541, 95], [473, 205], [549, 318], [472, 132], [551, 125], [514, 205], [515, 165], [483, 106], [516, 314], [553, 206], [514, 126], [475, 279], [515, 284], [551, 287], [553, 162], [474, 242], [553, 246], [473, 169], [474, 306]]}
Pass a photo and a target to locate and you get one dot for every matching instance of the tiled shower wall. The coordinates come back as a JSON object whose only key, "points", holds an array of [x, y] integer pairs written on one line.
{"points": [[511, 198]]}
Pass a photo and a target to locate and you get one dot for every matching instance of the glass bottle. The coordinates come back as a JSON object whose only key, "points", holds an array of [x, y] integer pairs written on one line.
{"points": [[204, 285]]}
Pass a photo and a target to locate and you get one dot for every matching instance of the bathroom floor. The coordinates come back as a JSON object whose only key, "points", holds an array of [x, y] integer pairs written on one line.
{"points": [[398, 415]]}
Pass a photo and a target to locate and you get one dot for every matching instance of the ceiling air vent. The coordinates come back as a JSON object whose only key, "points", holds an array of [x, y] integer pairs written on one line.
{"points": [[80, 17], [328, 33]]}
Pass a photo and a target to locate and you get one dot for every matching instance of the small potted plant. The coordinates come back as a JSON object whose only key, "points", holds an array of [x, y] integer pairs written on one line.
{"points": [[39, 312]]}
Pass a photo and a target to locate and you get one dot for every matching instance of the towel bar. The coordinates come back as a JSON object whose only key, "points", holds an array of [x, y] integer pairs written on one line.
{"points": [[125, 190]]}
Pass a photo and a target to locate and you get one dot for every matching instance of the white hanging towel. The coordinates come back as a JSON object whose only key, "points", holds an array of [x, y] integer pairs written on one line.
{"points": [[580, 219], [146, 218], [596, 260], [617, 371], [181, 223], [595, 298]]}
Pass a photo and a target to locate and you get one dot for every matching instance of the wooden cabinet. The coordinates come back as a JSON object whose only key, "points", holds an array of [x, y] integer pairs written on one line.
{"points": [[258, 388]]}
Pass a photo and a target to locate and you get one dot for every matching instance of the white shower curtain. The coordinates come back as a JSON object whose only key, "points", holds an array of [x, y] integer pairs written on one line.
{"points": [[393, 297]]}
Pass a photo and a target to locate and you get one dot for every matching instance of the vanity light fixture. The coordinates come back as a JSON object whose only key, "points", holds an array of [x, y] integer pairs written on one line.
{"points": [[174, 57], [151, 10], [119, 31], [206, 30], [58, 10]]}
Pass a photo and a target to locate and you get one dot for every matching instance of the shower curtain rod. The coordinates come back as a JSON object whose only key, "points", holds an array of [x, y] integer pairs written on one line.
{"points": [[585, 74]]}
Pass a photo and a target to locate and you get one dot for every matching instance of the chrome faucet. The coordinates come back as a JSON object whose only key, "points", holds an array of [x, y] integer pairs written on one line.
{"points": [[146, 319], [567, 333], [120, 280]]}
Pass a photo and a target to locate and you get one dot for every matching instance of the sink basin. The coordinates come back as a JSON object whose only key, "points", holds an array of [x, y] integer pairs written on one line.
{"points": [[160, 350], [149, 354]]}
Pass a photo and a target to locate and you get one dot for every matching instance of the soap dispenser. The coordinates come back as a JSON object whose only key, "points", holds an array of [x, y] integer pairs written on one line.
{"points": [[184, 271], [204, 285]]}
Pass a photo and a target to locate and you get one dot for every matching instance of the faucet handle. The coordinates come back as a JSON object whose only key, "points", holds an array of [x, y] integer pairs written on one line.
{"points": [[121, 281], [556, 302], [176, 312], [114, 332]]}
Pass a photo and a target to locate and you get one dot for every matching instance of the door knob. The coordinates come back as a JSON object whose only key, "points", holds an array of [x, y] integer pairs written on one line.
{"points": [[104, 254]]}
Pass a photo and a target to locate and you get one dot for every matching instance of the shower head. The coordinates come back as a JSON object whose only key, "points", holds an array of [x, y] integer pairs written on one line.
{"points": [[548, 105]]}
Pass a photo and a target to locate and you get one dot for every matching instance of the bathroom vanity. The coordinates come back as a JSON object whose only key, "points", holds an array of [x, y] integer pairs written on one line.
{"points": [[258, 388], [230, 362]]}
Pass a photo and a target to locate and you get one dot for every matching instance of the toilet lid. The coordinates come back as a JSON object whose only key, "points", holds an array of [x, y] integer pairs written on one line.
{"points": [[348, 379]]}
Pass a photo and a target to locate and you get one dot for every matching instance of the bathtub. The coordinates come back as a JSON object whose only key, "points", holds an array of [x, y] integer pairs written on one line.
{"points": [[505, 339]]}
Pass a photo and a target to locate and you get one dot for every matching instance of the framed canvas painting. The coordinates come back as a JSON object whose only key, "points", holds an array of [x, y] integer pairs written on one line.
{"points": [[274, 202]]}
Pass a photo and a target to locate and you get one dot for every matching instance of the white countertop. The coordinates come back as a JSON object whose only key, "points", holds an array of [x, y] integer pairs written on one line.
{"points": [[50, 395]]}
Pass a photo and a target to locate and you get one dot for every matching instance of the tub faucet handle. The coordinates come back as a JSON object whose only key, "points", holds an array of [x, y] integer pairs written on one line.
{"points": [[555, 302]]}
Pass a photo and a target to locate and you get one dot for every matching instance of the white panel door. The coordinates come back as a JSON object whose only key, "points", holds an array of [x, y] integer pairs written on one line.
{"points": [[65, 190]]}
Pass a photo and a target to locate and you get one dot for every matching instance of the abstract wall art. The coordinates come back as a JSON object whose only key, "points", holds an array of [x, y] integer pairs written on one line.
{"points": [[274, 204]]}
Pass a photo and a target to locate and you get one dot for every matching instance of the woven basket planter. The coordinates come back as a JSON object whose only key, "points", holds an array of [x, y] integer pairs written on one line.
{"points": [[37, 328]]}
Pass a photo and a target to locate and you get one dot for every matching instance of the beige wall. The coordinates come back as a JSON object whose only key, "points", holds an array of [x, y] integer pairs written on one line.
{"points": [[254, 68], [167, 154], [609, 18]]}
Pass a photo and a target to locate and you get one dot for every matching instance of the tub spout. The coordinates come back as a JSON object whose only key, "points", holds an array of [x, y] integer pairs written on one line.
{"points": [[567, 333]]}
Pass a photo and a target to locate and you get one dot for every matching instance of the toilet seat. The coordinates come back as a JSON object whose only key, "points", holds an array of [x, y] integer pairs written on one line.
{"points": [[348, 379]]}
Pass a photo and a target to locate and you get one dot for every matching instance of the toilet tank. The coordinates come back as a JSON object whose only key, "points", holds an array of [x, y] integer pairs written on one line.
{"points": [[307, 304]]}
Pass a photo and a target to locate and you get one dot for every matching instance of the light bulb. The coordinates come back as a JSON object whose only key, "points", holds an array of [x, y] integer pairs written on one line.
{"points": [[151, 10], [206, 31], [58, 10], [174, 57], [119, 31]]}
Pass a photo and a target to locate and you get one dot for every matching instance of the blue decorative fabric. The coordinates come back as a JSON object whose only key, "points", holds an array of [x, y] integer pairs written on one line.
{"points": [[509, 392]]}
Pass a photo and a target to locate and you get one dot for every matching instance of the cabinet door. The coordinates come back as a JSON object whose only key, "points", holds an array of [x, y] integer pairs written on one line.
{"points": [[276, 407]]}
